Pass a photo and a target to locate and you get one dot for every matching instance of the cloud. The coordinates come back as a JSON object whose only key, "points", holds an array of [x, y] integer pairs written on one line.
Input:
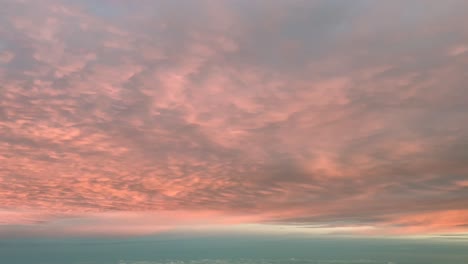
{"points": [[274, 112]]}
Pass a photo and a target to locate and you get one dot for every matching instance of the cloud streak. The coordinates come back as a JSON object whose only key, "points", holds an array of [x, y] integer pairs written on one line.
{"points": [[315, 112]]}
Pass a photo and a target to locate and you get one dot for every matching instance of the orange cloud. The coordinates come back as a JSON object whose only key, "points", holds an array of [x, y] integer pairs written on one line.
{"points": [[300, 113]]}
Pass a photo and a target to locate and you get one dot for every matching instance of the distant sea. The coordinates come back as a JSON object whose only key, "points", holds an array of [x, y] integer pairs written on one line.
{"points": [[233, 250]]}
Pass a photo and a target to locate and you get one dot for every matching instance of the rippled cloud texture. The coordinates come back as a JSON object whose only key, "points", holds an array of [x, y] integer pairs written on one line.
{"points": [[142, 116]]}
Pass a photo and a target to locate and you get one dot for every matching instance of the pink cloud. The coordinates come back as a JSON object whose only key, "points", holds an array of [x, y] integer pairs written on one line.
{"points": [[152, 119]]}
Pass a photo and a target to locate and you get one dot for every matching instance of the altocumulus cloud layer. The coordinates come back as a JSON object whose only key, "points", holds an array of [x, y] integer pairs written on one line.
{"points": [[142, 116]]}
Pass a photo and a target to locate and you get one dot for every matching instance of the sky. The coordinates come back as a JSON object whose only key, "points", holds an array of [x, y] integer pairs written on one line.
{"points": [[328, 117]]}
